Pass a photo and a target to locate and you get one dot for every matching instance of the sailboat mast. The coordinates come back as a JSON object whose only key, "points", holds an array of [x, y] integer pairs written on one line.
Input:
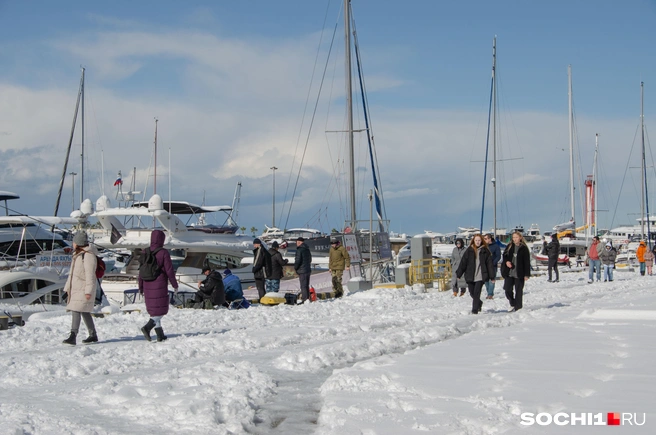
{"points": [[642, 163], [594, 185], [82, 147], [349, 106], [155, 177], [68, 149], [494, 132], [571, 141]]}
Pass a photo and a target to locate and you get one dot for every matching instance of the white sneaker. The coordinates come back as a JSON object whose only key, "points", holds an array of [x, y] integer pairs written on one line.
{"points": [[590, 281], [511, 309]]}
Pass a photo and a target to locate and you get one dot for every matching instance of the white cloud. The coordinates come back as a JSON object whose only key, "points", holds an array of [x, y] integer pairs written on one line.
{"points": [[230, 109]]}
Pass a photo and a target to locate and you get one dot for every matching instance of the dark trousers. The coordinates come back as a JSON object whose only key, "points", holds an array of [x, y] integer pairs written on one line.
{"points": [[304, 278], [553, 264], [259, 283], [475, 292], [516, 299]]}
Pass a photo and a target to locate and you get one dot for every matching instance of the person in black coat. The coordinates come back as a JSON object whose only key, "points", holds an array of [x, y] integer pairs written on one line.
{"points": [[476, 266], [303, 267], [277, 264], [553, 250], [261, 266], [516, 270], [211, 288]]}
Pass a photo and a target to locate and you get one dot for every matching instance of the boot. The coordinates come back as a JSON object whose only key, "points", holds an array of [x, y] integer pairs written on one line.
{"points": [[455, 293], [160, 334], [71, 339], [462, 292], [92, 338], [147, 328]]}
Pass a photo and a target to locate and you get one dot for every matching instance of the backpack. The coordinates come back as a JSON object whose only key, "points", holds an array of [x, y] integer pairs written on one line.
{"points": [[149, 269], [100, 267]]}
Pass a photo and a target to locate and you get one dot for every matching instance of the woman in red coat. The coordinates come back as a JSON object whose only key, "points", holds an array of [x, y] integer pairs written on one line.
{"points": [[156, 292]]}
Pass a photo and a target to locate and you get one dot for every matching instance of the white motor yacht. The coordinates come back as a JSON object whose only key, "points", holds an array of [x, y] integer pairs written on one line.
{"points": [[196, 246]]}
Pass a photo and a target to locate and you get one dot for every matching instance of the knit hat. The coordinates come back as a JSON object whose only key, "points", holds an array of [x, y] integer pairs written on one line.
{"points": [[257, 242], [227, 272], [300, 239], [334, 240], [81, 239], [608, 245], [275, 245]]}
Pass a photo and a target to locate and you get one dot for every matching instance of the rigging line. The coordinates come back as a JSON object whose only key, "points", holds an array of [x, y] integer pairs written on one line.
{"points": [[487, 148], [307, 139], [507, 113], [578, 165], [335, 164], [90, 100], [307, 99], [369, 131], [338, 167], [626, 169]]}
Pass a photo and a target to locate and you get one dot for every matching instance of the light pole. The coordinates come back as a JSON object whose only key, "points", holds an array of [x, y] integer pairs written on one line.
{"points": [[73, 188], [273, 216]]}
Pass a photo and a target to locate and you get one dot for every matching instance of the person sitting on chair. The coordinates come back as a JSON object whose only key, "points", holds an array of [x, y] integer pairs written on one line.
{"points": [[211, 288], [232, 285]]}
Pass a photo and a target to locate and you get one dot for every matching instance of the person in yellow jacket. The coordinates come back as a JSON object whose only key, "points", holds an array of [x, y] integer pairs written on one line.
{"points": [[640, 253], [338, 261]]}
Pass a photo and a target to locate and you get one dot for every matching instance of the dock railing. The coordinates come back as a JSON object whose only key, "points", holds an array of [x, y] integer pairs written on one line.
{"points": [[430, 271]]}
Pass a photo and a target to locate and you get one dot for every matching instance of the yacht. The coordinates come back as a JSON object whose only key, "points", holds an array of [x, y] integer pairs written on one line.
{"points": [[129, 228], [624, 234], [34, 262]]}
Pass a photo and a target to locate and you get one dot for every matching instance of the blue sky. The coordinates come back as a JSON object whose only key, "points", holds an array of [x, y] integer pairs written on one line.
{"points": [[229, 82]]}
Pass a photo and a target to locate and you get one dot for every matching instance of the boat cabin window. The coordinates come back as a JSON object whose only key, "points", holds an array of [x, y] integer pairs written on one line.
{"points": [[215, 261]]}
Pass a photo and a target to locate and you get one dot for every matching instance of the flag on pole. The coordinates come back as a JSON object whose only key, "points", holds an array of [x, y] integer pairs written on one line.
{"points": [[119, 179], [116, 235]]}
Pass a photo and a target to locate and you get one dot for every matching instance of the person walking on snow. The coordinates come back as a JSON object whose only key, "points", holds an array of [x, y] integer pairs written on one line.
{"points": [[649, 260], [156, 292], [81, 288], [607, 257], [553, 250], [516, 270], [593, 260], [476, 266], [338, 261], [456, 258], [495, 250], [640, 254]]}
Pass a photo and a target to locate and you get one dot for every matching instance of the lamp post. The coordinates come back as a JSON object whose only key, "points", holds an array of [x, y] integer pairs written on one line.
{"points": [[73, 174], [273, 216]]}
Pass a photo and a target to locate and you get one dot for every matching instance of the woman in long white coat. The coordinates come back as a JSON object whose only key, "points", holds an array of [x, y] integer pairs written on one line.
{"points": [[81, 288]]}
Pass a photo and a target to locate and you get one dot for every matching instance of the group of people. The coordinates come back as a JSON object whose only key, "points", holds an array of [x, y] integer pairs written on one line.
{"points": [[602, 259], [268, 267], [476, 266], [217, 289], [80, 288]]}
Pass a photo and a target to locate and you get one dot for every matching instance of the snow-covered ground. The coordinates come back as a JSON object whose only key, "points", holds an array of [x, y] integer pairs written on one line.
{"points": [[384, 361]]}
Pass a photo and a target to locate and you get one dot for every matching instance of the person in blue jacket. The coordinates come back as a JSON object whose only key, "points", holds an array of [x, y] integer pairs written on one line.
{"points": [[232, 285], [495, 250]]}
